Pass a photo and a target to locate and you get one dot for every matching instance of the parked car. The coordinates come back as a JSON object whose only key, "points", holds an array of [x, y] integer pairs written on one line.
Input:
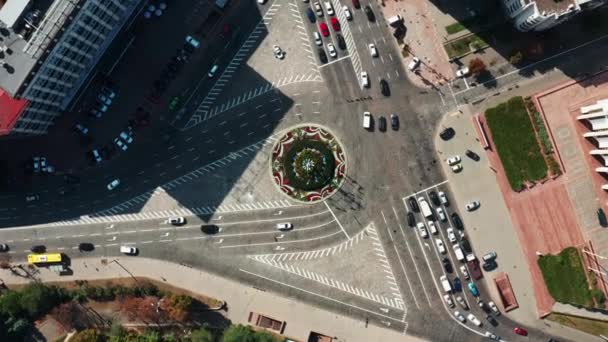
{"points": [[382, 124], [332, 50], [278, 52], [322, 56], [347, 13], [441, 214], [601, 216], [176, 221], [462, 302], [440, 246], [193, 42], [489, 266], [448, 300], [494, 308], [472, 205], [472, 155], [3, 247], [443, 198], [520, 331], [356, 4], [341, 41], [453, 160], [473, 289], [464, 272], [447, 133], [411, 220], [462, 72], [456, 221], [317, 38], [364, 79], [369, 13], [311, 15], [318, 8], [394, 122], [414, 63], [451, 235], [459, 316], [121, 145], [490, 335], [422, 230], [474, 320], [413, 204], [384, 88], [373, 50], [447, 265], [335, 24]]}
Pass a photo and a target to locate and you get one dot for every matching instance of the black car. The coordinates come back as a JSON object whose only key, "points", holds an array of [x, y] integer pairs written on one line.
{"points": [[3, 247], [466, 246], [384, 88], [601, 216], [322, 56], [434, 198], [341, 41], [399, 32], [491, 320], [394, 122], [86, 247], [210, 229], [489, 265], [472, 155], [457, 284], [38, 249], [311, 15], [456, 221], [411, 220], [447, 133], [411, 201], [369, 13], [382, 124], [447, 265]]}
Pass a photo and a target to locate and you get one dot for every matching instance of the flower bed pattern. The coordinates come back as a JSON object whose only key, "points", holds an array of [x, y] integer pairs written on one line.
{"points": [[308, 164]]}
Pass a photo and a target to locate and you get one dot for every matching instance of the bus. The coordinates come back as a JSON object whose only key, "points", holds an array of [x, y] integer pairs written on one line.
{"points": [[46, 258]]}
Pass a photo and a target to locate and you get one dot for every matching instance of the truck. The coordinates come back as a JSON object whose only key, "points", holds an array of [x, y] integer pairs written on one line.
{"points": [[458, 252], [395, 21], [473, 264], [425, 208], [445, 283]]}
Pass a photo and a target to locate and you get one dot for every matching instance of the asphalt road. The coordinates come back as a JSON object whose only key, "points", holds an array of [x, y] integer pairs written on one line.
{"points": [[383, 169]]}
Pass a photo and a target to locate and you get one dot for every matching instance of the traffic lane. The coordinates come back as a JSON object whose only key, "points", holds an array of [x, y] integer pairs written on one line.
{"points": [[343, 84]]}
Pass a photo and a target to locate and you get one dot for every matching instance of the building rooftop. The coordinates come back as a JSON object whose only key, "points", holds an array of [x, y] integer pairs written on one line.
{"points": [[547, 7], [11, 11], [29, 39]]}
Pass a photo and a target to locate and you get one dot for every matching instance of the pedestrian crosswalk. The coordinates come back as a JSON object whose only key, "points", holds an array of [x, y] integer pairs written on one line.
{"points": [[162, 214], [284, 261], [348, 37]]}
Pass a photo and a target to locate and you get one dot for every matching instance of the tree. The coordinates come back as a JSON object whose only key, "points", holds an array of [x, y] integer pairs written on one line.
{"points": [[37, 299], [264, 336], [477, 66], [239, 333], [10, 304], [148, 310], [69, 315], [178, 307], [151, 336], [201, 335], [17, 328], [130, 306], [89, 335]]}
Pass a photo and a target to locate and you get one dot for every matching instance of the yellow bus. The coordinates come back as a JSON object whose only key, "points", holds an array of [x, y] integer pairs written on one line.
{"points": [[44, 258]]}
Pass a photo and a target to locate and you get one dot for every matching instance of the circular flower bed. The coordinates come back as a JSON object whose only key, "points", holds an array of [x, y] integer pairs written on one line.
{"points": [[308, 164]]}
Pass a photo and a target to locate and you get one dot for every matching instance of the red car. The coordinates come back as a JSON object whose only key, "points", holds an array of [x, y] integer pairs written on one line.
{"points": [[324, 29], [335, 23], [356, 4], [520, 331]]}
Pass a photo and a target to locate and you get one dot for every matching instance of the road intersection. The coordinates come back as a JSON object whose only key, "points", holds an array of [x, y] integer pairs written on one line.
{"points": [[353, 254]]}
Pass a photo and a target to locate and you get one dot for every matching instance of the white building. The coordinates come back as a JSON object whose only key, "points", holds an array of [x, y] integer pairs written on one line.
{"points": [[539, 15], [596, 117]]}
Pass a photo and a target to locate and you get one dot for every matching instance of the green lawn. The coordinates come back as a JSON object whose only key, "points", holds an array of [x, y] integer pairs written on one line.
{"points": [[461, 46], [455, 28], [516, 143], [565, 277], [591, 326]]}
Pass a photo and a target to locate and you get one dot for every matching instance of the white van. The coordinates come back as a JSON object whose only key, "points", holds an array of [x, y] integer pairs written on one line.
{"points": [[458, 252], [128, 250], [446, 284], [328, 8], [367, 120]]}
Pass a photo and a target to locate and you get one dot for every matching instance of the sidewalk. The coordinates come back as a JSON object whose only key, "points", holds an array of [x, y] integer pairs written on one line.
{"points": [[241, 299], [425, 42], [485, 232]]}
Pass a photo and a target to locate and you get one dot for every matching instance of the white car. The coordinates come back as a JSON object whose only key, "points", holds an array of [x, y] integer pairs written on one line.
{"points": [[451, 235], [491, 336], [456, 168], [128, 250], [462, 303], [422, 230], [364, 79], [347, 14], [261, 2], [284, 226], [459, 316], [318, 39], [332, 50], [318, 9], [432, 227], [120, 144], [329, 8], [453, 160], [441, 214], [195, 43], [96, 155], [414, 64], [278, 52], [113, 184], [176, 221], [474, 319], [367, 120], [462, 72], [494, 308], [372, 50], [472, 205], [443, 198], [126, 137], [440, 246], [448, 300], [465, 272], [103, 99]]}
